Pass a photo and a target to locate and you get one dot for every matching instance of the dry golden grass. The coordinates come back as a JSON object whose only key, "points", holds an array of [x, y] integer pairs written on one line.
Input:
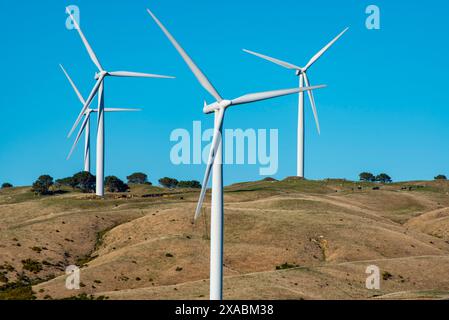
{"points": [[134, 247]]}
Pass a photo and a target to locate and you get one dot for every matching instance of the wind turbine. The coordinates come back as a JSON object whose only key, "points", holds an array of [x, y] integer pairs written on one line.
{"points": [[216, 160], [99, 89], [301, 72], [85, 127]]}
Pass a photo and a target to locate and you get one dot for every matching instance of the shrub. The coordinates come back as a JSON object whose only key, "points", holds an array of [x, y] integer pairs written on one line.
{"points": [[42, 185], [85, 296], [367, 176], [168, 182], [286, 266], [137, 178], [6, 185], [189, 184], [441, 177], [114, 184], [19, 290], [32, 265], [386, 275]]}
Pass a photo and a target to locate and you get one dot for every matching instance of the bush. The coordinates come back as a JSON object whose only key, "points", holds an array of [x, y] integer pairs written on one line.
{"points": [[367, 176], [137, 178], [441, 177], [32, 265], [114, 184], [19, 290], [286, 266], [6, 185], [386, 275], [84, 181], [384, 178], [42, 185], [168, 182], [189, 184]]}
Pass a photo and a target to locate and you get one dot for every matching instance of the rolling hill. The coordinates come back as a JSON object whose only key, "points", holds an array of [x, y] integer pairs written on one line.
{"points": [[290, 239]]}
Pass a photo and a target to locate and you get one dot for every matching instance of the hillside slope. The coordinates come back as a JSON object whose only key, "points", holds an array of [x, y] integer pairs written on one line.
{"points": [[143, 245]]}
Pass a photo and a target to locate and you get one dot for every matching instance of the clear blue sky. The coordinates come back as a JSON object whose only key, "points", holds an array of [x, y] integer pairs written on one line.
{"points": [[386, 107]]}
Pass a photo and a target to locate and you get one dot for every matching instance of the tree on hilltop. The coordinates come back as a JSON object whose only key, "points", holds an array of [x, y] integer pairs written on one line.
{"points": [[67, 182], [193, 184], [114, 184], [7, 185], [137, 178], [42, 185], [384, 178], [168, 182], [84, 181], [367, 176]]}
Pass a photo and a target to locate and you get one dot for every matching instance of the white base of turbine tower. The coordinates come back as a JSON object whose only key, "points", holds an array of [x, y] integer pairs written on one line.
{"points": [[216, 223], [87, 147], [100, 143], [300, 150]]}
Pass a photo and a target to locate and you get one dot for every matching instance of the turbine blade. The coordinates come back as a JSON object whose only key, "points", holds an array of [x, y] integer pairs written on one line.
{"points": [[120, 110], [80, 97], [253, 97], [276, 61], [80, 132], [213, 151], [322, 51], [193, 67], [86, 43], [87, 104], [312, 102], [137, 75]]}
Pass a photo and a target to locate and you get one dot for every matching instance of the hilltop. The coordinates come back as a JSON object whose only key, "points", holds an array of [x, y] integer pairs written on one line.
{"points": [[290, 239]]}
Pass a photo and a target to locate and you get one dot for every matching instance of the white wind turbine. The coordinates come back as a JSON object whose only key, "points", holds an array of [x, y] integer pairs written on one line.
{"points": [[303, 80], [215, 161], [99, 89], [85, 127]]}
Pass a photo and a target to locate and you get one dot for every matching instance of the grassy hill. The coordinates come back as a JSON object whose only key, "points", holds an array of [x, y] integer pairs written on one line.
{"points": [[291, 239]]}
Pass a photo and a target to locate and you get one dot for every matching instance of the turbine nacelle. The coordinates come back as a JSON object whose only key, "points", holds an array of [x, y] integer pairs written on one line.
{"points": [[216, 106], [100, 74]]}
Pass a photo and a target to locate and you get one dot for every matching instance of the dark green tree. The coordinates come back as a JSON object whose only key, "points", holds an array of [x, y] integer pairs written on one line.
{"points": [[189, 184], [42, 185], [137, 178], [384, 178], [441, 177], [6, 185], [114, 184], [168, 182], [84, 181], [367, 176], [67, 182]]}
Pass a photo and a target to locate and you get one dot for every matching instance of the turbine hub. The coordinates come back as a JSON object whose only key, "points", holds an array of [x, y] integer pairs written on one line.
{"points": [[225, 103], [216, 105], [99, 74]]}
